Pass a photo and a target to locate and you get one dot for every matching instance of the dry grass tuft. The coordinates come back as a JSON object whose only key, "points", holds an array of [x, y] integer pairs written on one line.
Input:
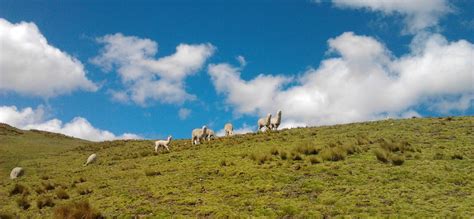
{"points": [[19, 189], [381, 155], [333, 154], [77, 210], [397, 160], [315, 160], [62, 194], [152, 173], [44, 201], [23, 202]]}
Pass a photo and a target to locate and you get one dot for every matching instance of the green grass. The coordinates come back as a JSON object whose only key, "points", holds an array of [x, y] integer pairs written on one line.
{"points": [[304, 172]]}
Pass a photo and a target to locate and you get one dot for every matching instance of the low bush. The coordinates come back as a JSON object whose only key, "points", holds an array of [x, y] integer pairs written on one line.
{"points": [[295, 156], [457, 157], [333, 154], [397, 160], [44, 201], [23, 203], [307, 149], [438, 156], [263, 158], [48, 186], [84, 191], [62, 194], [80, 209], [274, 151], [152, 173], [19, 189], [45, 177], [381, 155], [350, 149], [283, 155], [315, 160]]}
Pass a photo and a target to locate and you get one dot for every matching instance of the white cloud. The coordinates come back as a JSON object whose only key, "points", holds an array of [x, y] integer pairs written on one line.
{"points": [[246, 96], [418, 14], [241, 61], [79, 127], [364, 82], [184, 113], [146, 78], [30, 66], [242, 130]]}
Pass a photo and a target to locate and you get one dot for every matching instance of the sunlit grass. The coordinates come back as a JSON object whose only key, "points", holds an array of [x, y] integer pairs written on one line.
{"points": [[412, 167]]}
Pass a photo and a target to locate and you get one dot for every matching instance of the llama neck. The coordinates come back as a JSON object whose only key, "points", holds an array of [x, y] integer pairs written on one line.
{"points": [[278, 119]]}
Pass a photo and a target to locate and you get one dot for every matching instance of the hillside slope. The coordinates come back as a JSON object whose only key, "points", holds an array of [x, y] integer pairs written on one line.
{"points": [[424, 168], [17, 145]]}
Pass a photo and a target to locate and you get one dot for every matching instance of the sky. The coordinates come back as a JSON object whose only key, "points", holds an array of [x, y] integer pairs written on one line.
{"points": [[105, 70]]}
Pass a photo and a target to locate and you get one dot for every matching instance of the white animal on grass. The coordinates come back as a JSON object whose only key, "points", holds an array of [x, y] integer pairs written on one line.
{"points": [[229, 129], [163, 143], [91, 159], [275, 122], [198, 134], [16, 172], [264, 122], [210, 134]]}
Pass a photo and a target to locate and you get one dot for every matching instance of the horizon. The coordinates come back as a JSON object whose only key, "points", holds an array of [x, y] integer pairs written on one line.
{"points": [[111, 70]]}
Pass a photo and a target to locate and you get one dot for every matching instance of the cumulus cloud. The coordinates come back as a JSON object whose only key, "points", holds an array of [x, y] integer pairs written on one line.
{"points": [[364, 81], [146, 78], [238, 131], [184, 113], [247, 96], [30, 66], [418, 14], [29, 118]]}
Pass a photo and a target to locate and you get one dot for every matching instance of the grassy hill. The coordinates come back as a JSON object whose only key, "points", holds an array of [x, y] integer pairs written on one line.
{"points": [[18, 145], [411, 167]]}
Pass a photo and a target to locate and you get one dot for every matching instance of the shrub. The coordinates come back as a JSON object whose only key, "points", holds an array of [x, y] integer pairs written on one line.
{"points": [[145, 153], [307, 149], [80, 209], [263, 158], [438, 156], [45, 177], [389, 146], [296, 157], [39, 190], [152, 173], [253, 156], [397, 160], [23, 203], [44, 201], [283, 155], [381, 155], [62, 194], [362, 140], [80, 180], [457, 156], [333, 154], [84, 191], [315, 160], [350, 149], [48, 186], [19, 189], [274, 151]]}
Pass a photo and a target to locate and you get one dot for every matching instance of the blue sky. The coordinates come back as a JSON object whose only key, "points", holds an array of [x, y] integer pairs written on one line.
{"points": [[321, 63]]}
